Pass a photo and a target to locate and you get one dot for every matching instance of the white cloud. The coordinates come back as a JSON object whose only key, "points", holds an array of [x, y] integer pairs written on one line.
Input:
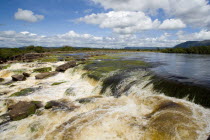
{"points": [[122, 21], [194, 12], [27, 15], [129, 22], [88, 11], [172, 24], [199, 36], [15, 39]]}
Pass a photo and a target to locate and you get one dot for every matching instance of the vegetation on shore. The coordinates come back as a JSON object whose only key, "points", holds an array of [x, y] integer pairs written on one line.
{"points": [[190, 50]]}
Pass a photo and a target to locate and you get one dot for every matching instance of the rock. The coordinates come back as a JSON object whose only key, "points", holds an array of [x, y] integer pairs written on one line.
{"points": [[66, 66], [38, 104], [1, 79], [4, 119], [18, 78], [24, 92], [26, 74], [43, 70], [88, 99], [21, 110], [45, 75], [70, 92], [60, 105]]}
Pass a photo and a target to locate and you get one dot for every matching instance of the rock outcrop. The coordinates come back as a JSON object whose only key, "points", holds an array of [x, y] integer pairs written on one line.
{"points": [[21, 110], [64, 67], [18, 77], [26, 74], [45, 75], [1, 79], [60, 105]]}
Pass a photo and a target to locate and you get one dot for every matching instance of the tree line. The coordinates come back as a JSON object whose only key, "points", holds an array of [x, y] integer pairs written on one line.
{"points": [[190, 50]]}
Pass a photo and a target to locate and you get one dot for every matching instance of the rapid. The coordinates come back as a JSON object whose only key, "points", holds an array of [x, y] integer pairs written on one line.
{"points": [[132, 111]]}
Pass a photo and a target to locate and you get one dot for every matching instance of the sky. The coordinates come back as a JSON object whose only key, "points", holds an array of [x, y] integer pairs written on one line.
{"points": [[103, 23]]}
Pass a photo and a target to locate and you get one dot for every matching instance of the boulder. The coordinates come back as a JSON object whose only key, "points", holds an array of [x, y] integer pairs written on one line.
{"points": [[45, 75], [26, 74], [24, 92], [66, 66], [60, 105], [1, 79], [43, 70], [21, 110], [18, 77], [88, 99]]}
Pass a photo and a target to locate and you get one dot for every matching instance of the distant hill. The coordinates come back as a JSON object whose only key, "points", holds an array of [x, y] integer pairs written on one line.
{"points": [[193, 44], [144, 48]]}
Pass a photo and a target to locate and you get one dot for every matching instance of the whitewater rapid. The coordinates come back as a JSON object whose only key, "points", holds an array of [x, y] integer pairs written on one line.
{"points": [[139, 113]]}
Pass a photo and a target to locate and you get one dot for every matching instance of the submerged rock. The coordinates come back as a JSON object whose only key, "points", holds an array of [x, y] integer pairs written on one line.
{"points": [[21, 110], [1, 79], [26, 74], [18, 77], [60, 105], [88, 99], [45, 75], [43, 70], [24, 92], [70, 91], [66, 66]]}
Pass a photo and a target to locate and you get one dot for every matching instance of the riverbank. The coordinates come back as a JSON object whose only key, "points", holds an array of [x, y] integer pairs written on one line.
{"points": [[99, 97]]}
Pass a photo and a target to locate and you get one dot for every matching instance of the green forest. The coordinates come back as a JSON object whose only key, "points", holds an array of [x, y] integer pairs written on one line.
{"points": [[190, 50]]}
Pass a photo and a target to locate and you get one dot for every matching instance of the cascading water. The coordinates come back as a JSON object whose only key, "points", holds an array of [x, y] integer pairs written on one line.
{"points": [[128, 108]]}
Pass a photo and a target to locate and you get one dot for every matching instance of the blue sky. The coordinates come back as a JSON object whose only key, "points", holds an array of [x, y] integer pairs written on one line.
{"points": [[103, 23]]}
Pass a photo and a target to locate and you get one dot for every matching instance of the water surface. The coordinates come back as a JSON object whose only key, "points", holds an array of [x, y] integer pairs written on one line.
{"points": [[184, 67]]}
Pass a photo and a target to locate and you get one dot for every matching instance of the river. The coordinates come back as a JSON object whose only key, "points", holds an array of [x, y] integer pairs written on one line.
{"points": [[184, 67], [122, 105]]}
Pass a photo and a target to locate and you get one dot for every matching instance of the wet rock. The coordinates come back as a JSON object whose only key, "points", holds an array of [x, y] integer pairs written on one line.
{"points": [[4, 93], [88, 99], [24, 92], [45, 75], [21, 110], [66, 66], [26, 74], [18, 77], [57, 104], [38, 104], [1, 79], [70, 92], [60, 105], [4, 119], [43, 70]]}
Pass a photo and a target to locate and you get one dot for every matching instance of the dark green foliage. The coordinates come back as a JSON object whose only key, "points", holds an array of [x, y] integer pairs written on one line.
{"points": [[190, 50], [66, 48], [42, 70], [37, 49]]}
